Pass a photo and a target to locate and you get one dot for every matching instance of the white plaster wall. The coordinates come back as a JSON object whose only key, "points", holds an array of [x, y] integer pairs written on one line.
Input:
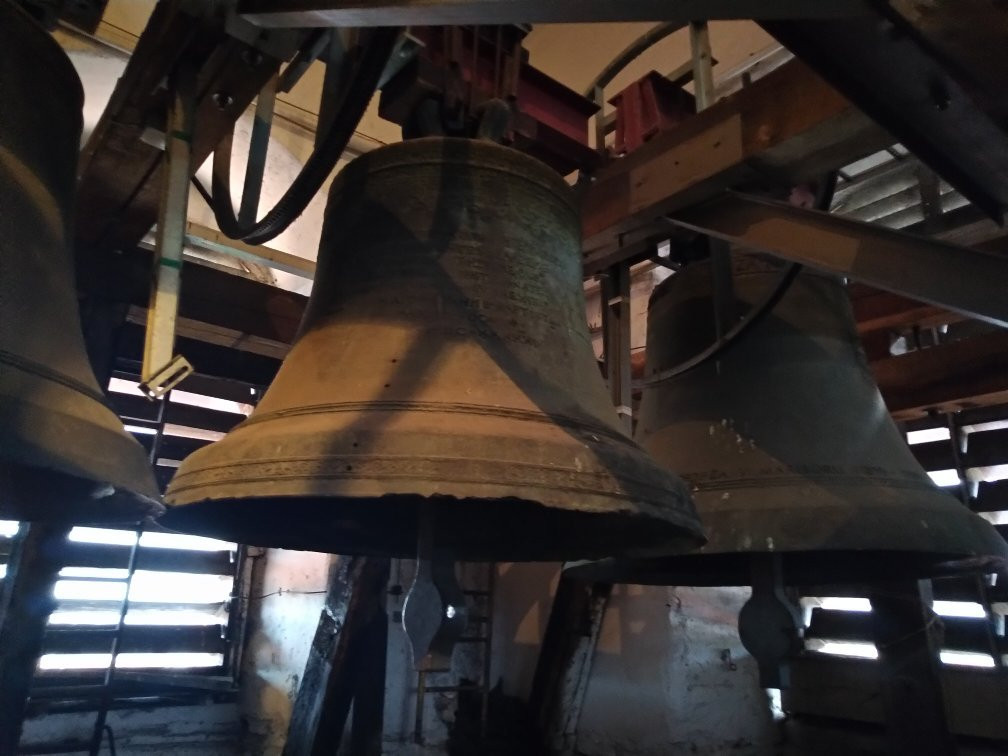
{"points": [[286, 599], [670, 676], [524, 599]]}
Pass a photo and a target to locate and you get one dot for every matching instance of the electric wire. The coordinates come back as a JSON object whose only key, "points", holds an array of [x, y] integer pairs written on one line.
{"points": [[731, 336], [319, 165], [759, 311]]}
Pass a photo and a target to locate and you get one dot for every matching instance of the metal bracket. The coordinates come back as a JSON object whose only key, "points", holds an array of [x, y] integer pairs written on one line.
{"points": [[163, 380], [407, 48]]}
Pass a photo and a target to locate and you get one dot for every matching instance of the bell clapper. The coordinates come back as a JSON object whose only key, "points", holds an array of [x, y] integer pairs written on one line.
{"points": [[769, 624], [435, 613]]}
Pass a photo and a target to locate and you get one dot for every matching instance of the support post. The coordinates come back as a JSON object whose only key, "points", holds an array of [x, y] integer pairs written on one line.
{"points": [[907, 634], [367, 726], [565, 660], [720, 251], [344, 665], [616, 339], [161, 369], [703, 67], [25, 607]]}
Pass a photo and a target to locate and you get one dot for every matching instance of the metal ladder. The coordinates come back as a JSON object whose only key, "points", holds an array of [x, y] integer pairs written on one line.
{"points": [[101, 727], [481, 618]]}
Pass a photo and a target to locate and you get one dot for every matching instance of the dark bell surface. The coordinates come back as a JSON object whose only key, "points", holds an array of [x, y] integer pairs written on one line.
{"points": [[788, 446]]}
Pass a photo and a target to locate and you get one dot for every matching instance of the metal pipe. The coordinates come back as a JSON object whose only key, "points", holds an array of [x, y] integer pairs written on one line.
{"points": [[629, 54]]}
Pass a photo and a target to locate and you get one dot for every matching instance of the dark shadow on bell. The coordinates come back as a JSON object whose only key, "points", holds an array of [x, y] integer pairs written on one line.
{"points": [[464, 273], [787, 442]]}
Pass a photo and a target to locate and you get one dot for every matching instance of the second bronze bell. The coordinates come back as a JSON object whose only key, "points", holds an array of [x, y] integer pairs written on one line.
{"points": [[789, 447], [443, 366], [64, 455]]}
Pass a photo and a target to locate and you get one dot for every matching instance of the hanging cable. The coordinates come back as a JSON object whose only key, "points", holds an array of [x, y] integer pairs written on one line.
{"points": [[732, 334], [363, 83], [823, 200]]}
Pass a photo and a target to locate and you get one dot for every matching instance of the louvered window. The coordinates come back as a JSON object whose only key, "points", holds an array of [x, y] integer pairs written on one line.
{"points": [[969, 458], [180, 631]]}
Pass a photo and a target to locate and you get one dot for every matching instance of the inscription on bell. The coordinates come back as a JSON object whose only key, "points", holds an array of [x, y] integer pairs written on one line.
{"points": [[446, 336]]}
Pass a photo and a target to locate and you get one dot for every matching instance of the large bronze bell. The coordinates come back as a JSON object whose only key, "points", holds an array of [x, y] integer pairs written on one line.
{"points": [[788, 446], [443, 369], [63, 454]]}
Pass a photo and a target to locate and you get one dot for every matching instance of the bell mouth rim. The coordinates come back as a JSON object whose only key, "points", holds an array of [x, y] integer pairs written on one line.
{"points": [[473, 528], [123, 464], [381, 160], [82, 500]]}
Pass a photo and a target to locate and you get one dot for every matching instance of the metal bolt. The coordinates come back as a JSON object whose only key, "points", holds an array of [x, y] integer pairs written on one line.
{"points": [[252, 57], [223, 100]]}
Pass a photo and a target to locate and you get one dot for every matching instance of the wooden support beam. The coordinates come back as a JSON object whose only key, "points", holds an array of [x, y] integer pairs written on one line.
{"points": [[908, 640], [208, 295], [850, 689], [159, 639], [367, 726], [25, 606], [884, 66], [344, 663], [615, 292], [877, 310], [946, 378], [915, 266], [565, 661], [204, 237], [229, 362], [120, 172], [304, 13], [788, 127]]}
